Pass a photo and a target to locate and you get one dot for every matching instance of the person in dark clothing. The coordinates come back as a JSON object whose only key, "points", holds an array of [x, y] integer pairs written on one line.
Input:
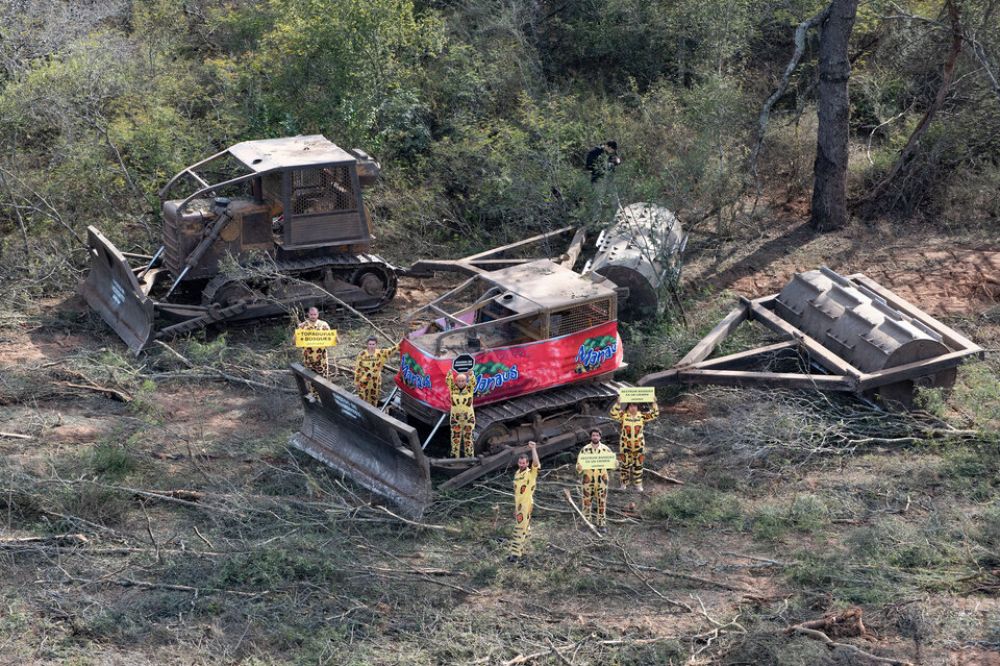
{"points": [[597, 164]]}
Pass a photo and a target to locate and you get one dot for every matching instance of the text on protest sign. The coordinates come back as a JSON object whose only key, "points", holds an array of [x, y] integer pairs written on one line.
{"points": [[629, 394], [597, 460], [311, 337]]}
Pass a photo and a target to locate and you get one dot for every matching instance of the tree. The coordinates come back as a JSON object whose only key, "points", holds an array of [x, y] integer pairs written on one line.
{"points": [[829, 200], [872, 202]]}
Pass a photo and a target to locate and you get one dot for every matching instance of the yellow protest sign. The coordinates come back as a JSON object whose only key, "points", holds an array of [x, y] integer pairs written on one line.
{"points": [[597, 460], [311, 337], [629, 394]]}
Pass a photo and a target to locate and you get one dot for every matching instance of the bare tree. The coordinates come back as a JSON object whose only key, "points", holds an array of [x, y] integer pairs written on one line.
{"points": [[829, 201]]}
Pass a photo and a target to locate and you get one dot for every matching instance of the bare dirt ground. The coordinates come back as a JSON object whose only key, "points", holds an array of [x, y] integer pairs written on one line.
{"points": [[206, 540], [944, 275]]}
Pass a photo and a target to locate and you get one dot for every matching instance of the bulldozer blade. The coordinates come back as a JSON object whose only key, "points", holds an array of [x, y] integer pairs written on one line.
{"points": [[374, 449], [112, 289]]}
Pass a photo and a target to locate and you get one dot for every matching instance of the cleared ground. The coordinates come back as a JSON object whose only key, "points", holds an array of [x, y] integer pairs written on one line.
{"points": [[173, 525]]}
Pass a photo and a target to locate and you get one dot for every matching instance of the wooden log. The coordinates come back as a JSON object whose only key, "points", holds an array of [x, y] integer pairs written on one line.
{"points": [[911, 370], [664, 477], [516, 245], [824, 356], [791, 380], [114, 393], [722, 330], [572, 253], [740, 358], [51, 540]]}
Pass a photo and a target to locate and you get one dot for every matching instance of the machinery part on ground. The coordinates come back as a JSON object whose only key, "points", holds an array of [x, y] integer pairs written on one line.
{"points": [[377, 451], [383, 454], [860, 327], [641, 252], [365, 281], [864, 338], [113, 291], [536, 416]]}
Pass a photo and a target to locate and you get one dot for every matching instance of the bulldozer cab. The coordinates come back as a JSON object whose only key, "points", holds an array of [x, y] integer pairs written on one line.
{"points": [[526, 303], [292, 199], [310, 187]]}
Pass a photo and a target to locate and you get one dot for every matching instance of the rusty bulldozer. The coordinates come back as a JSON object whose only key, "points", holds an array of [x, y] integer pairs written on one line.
{"points": [[295, 219]]}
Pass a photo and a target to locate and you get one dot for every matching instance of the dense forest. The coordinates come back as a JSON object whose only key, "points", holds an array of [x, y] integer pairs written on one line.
{"points": [[481, 111]]}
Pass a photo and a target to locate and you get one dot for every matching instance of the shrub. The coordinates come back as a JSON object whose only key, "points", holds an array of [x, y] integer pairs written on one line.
{"points": [[696, 506], [112, 461], [806, 514]]}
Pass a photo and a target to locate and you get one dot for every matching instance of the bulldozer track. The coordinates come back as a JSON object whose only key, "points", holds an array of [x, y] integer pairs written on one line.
{"points": [[518, 410], [349, 264]]}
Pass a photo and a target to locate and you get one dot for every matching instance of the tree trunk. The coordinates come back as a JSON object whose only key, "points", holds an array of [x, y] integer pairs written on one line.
{"points": [[829, 202]]}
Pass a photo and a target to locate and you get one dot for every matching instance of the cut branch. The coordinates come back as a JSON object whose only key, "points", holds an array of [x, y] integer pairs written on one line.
{"points": [[569, 498], [832, 644]]}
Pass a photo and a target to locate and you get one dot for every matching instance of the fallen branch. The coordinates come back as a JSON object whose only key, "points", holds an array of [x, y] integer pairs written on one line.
{"points": [[218, 373], [446, 528], [113, 550], [676, 574], [832, 644], [642, 579], [569, 498], [664, 477], [149, 585], [114, 393], [15, 435], [35, 541], [189, 498], [528, 658], [776, 563]]}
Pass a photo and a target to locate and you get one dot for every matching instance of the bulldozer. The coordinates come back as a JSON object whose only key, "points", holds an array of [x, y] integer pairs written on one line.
{"points": [[542, 345], [267, 221], [540, 339]]}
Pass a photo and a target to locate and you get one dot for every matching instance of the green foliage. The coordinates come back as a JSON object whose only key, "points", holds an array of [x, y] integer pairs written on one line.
{"points": [[988, 532], [145, 403], [898, 544], [92, 503], [271, 567], [805, 514], [973, 471], [977, 393], [696, 506], [666, 653], [349, 68], [623, 40], [205, 353], [112, 461], [766, 646]]}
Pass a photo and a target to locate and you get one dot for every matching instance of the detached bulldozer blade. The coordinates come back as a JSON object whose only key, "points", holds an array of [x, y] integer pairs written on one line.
{"points": [[375, 450], [112, 289]]}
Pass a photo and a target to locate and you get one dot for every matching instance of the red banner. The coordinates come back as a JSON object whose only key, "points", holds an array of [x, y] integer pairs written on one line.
{"points": [[513, 371]]}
